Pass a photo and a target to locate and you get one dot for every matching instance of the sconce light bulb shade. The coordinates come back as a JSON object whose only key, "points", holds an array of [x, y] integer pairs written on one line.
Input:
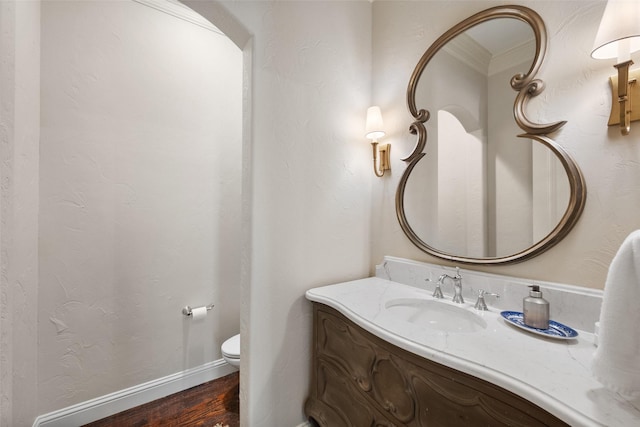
{"points": [[374, 136], [374, 126], [619, 27]]}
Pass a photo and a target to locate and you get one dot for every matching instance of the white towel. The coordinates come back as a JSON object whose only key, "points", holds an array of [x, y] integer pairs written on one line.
{"points": [[616, 362]]}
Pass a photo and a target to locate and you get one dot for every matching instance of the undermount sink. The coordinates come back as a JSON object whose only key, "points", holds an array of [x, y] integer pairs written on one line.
{"points": [[435, 315]]}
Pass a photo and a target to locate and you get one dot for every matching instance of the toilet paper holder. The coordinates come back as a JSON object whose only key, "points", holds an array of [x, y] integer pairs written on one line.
{"points": [[187, 311]]}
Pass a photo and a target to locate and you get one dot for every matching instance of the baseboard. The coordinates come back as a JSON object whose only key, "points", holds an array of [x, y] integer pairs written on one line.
{"points": [[110, 404]]}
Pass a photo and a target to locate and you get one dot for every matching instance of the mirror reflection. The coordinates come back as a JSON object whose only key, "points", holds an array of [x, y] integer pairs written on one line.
{"points": [[479, 188], [474, 193]]}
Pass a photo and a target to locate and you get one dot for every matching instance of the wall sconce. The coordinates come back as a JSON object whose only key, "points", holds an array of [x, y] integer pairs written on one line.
{"points": [[374, 130], [618, 37]]}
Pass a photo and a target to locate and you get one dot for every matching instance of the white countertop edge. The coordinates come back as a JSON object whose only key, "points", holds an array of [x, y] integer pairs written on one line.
{"points": [[528, 392]]}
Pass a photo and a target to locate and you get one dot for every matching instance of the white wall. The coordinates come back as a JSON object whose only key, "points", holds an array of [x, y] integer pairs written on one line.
{"points": [[140, 182], [19, 139], [311, 186], [461, 198], [313, 220], [511, 163], [576, 90]]}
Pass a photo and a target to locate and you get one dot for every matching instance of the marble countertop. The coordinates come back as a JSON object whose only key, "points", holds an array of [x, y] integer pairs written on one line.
{"points": [[553, 374]]}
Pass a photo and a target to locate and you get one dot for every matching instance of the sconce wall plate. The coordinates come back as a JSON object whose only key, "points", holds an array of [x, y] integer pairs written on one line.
{"points": [[381, 158], [385, 157], [633, 98]]}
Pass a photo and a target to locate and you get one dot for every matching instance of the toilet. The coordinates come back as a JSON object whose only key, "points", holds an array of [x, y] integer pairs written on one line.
{"points": [[231, 351]]}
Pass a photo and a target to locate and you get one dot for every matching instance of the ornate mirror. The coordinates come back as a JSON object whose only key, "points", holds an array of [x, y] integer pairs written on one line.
{"points": [[488, 186]]}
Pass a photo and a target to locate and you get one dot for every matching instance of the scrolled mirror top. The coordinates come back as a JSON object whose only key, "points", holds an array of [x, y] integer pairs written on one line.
{"points": [[518, 82], [468, 110]]}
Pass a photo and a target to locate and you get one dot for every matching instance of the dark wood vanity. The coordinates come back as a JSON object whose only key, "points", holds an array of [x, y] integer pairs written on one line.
{"points": [[360, 380]]}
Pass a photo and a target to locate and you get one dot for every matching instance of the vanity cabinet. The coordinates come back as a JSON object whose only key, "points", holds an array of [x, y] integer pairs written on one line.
{"points": [[360, 380]]}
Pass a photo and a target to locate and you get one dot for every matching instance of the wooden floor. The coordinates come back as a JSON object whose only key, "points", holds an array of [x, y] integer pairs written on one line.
{"points": [[207, 405]]}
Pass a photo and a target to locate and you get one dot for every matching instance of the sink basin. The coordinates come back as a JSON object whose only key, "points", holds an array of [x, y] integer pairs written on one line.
{"points": [[435, 315]]}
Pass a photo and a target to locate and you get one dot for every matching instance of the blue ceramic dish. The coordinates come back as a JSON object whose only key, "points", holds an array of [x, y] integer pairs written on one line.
{"points": [[556, 330]]}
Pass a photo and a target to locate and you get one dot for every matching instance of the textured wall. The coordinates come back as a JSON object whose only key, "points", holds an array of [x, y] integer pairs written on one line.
{"points": [[19, 137], [314, 220], [576, 90], [139, 197], [311, 185]]}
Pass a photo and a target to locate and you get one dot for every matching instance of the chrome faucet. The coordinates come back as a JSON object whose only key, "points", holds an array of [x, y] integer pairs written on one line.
{"points": [[457, 285], [437, 292], [481, 303]]}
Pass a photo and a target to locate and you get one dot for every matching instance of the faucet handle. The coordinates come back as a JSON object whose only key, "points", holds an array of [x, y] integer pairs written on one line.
{"points": [[437, 292], [480, 303]]}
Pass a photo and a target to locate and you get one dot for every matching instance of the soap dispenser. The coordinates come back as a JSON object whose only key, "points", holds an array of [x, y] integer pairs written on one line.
{"points": [[536, 309]]}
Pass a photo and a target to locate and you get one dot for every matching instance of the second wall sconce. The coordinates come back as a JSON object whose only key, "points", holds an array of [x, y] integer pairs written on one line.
{"points": [[374, 131], [618, 37]]}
